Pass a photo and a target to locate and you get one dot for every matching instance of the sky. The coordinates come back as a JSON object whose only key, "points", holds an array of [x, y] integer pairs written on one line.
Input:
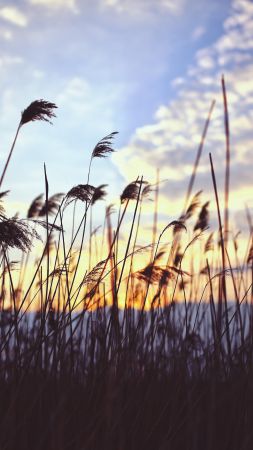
{"points": [[148, 69]]}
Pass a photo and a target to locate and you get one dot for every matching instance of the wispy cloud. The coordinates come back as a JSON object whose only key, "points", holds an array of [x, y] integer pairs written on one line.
{"points": [[6, 61], [198, 32], [6, 34], [14, 16], [88, 102], [142, 7], [54, 5]]}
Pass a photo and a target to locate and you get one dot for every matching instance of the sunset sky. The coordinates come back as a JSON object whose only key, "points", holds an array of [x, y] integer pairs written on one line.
{"points": [[146, 68]]}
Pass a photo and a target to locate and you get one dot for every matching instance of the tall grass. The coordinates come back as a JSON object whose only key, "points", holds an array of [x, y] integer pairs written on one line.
{"points": [[108, 343]]}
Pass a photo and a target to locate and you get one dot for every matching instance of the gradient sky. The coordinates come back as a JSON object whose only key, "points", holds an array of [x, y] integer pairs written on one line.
{"points": [[146, 68]]}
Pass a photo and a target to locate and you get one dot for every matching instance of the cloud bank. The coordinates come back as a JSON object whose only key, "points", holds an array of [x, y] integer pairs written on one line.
{"points": [[170, 142]]}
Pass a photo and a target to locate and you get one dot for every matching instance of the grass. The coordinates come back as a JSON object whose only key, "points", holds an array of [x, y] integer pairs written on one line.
{"points": [[109, 344]]}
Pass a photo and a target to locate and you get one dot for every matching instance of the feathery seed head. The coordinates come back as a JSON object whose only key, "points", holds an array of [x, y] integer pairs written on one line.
{"points": [[202, 222], [99, 193], [51, 206], [104, 147], [38, 110], [16, 233], [209, 245], [109, 210], [83, 192], [35, 207], [2, 195], [130, 192]]}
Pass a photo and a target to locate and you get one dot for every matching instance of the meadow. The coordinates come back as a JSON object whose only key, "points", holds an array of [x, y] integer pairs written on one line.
{"points": [[107, 343]]}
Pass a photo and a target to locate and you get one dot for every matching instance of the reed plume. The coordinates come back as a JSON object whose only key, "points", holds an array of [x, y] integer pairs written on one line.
{"points": [[95, 273], [16, 233], [178, 256], [250, 255], [37, 110], [51, 206], [35, 207], [195, 202], [104, 147], [202, 222], [99, 193], [209, 245], [102, 150], [82, 192], [150, 274], [2, 209], [131, 192]]}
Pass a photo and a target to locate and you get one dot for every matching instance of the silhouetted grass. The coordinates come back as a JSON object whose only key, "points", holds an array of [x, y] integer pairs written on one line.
{"points": [[109, 344]]}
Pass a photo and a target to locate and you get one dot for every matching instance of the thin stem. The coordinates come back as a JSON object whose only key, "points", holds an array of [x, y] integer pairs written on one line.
{"points": [[223, 279], [9, 156], [227, 173]]}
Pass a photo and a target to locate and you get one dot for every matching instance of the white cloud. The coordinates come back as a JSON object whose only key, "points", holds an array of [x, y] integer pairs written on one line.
{"points": [[139, 8], [6, 61], [206, 62], [54, 5], [6, 34], [13, 15], [233, 57], [177, 81], [205, 58], [89, 103], [172, 6], [198, 32], [171, 141], [76, 93]]}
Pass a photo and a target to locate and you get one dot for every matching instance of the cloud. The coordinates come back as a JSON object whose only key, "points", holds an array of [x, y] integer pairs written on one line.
{"points": [[198, 32], [6, 34], [139, 8], [171, 141], [13, 15], [6, 61], [177, 82], [86, 100], [54, 5]]}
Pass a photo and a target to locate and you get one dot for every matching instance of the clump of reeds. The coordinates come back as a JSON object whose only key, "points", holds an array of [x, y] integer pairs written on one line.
{"points": [[111, 344]]}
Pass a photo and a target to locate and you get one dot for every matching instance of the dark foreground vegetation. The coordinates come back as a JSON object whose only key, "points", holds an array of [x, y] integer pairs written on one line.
{"points": [[119, 344], [154, 388]]}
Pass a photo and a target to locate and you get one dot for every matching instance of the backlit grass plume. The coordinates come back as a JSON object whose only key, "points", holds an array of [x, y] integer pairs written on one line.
{"points": [[104, 147], [147, 190], [83, 192], [16, 233], [202, 222], [250, 255], [35, 207], [37, 110], [99, 193], [195, 202], [2, 209], [209, 245], [95, 273], [52, 205], [130, 192]]}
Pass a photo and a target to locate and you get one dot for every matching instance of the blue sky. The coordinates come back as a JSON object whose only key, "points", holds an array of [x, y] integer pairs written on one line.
{"points": [[146, 68]]}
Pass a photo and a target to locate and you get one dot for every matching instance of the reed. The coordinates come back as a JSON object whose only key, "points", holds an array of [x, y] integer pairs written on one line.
{"points": [[114, 344]]}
